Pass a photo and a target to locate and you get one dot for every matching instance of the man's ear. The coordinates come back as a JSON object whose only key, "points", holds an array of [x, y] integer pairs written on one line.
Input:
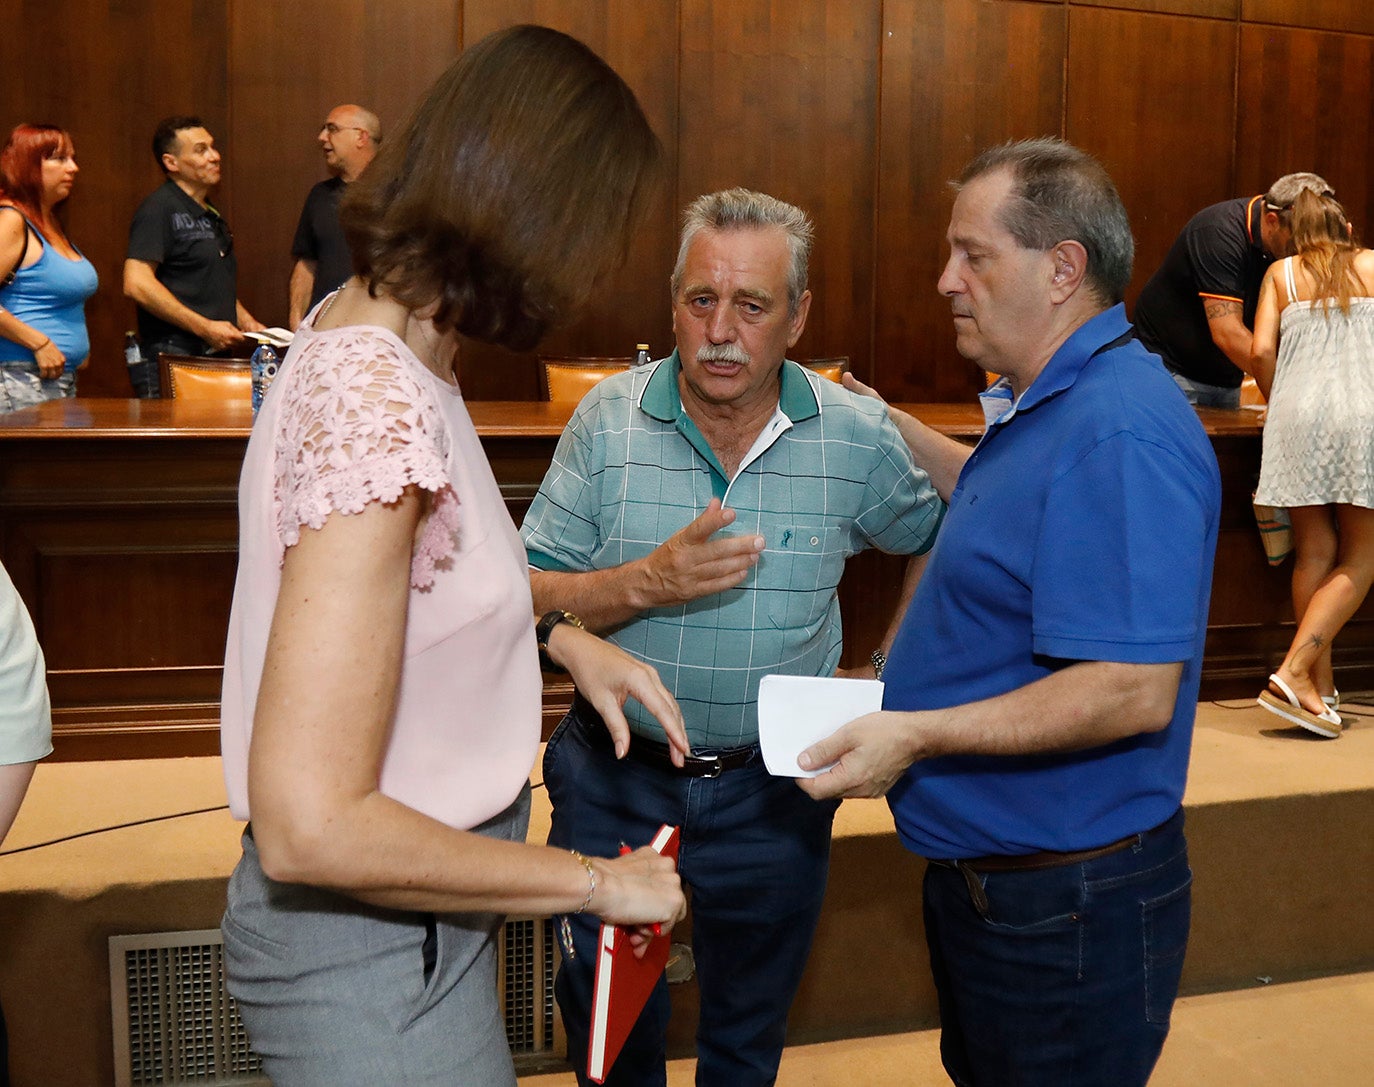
{"points": [[169, 163], [1070, 267], [798, 322]]}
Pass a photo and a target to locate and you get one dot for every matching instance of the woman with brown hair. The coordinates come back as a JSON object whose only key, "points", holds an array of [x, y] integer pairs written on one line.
{"points": [[1314, 361], [382, 705], [44, 279]]}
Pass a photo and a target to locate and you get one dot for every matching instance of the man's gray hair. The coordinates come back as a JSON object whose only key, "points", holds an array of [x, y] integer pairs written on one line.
{"points": [[744, 209], [1285, 190], [371, 123], [1061, 193]]}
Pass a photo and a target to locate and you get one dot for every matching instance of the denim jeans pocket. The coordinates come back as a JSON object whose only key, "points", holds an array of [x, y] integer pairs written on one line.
{"points": [[1165, 921], [553, 749]]}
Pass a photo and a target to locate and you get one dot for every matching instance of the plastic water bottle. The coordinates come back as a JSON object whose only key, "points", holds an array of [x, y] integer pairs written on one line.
{"points": [[641, 354], [264, 368]]}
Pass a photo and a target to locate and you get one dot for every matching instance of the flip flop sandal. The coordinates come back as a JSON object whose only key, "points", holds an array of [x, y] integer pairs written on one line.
{"points": [[1326, 724]]}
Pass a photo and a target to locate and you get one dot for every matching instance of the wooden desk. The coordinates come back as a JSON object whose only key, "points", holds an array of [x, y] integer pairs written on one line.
{"points": [[118, 525]]}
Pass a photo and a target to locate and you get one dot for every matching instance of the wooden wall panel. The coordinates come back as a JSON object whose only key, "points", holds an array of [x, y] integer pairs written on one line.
{"points": [[1160, 116], [1349, 15], [639, 39], [956, 77], [782, 97], [1291, 121], [109, 70], [1212, 9], [859, 111], [291, 64]]}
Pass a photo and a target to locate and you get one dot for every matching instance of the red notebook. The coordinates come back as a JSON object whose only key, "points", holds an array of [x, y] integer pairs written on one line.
{"points": [[623, 982]]}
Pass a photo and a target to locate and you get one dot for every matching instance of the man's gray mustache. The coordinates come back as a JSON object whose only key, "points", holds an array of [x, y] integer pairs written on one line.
{"points": [[725, 352]]}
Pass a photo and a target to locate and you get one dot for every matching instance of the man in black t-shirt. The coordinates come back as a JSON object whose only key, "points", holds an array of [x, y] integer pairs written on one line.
{"points": [[1197, 311], [349, 139], [180, 267]]}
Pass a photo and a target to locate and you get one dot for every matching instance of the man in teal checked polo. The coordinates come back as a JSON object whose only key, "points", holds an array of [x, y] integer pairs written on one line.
{"points": [[698, 513]]}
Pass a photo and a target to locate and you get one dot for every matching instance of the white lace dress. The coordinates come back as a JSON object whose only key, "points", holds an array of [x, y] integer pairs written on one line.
{"points": [[1319, 429]]}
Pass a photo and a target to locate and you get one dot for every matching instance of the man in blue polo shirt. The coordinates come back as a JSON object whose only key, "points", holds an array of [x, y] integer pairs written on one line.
{"points": [[698, 513], [1041, 689]]}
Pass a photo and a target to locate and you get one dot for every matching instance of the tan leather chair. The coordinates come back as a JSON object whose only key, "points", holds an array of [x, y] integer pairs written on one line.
{"points": [[200, 377], [568, 379], [1250, 396], [832, 368]]}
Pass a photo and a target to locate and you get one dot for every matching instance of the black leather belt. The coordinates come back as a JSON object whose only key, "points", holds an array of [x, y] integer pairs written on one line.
{"points": [[653, 753], [1026, 862]]}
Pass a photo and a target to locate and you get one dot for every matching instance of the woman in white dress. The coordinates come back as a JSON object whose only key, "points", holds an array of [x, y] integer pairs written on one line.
{"points": [[1313, 359]]}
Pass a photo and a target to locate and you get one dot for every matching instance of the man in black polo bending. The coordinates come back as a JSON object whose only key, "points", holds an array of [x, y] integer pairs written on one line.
{"points": [[1197, 311]]}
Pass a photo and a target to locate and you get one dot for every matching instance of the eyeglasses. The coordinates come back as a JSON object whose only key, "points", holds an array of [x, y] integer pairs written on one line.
{"points": [[334, 130]]}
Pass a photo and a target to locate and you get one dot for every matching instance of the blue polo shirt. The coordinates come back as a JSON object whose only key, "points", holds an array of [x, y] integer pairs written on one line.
{"points": [[828, 477], [1082, 528]]}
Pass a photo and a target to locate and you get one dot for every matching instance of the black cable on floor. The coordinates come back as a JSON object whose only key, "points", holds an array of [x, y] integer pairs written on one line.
{"points": [[118, 826]]}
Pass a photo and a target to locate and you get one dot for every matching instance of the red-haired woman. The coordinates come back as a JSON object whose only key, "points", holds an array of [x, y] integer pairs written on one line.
{"points": [[44, 279]]}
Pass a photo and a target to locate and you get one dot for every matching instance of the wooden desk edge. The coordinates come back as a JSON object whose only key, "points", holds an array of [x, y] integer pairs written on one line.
{"points": [[90, 418]]}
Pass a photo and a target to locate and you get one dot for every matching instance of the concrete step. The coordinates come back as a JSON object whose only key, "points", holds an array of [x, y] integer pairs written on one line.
{"points": [[1279, 824], [1277, 1035]]}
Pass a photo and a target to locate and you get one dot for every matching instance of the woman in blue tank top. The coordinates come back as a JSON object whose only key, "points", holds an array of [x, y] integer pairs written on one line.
{"points": [[44, 279]]}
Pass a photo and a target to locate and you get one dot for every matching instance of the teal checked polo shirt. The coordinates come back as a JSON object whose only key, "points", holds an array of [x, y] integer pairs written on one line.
{"points": [[828, 477]]}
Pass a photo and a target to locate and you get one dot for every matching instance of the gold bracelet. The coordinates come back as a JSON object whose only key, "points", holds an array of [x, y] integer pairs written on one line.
{"points": [[46, 340], [591, 881], [565, 929]]}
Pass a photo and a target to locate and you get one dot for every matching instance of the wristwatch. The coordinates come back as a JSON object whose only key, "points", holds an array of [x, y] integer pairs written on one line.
{"points": [[544, 628], [879, 661]]}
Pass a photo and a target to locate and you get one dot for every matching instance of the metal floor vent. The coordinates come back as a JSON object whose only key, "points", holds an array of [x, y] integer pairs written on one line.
{"points": [[175, 1022], [526, 961]]}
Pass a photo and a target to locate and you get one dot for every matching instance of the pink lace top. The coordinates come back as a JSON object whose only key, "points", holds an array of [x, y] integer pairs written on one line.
{"points": [[354, 417]]}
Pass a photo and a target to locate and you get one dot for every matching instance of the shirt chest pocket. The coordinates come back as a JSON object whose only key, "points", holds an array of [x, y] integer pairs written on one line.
{"points": [[799, 569]]}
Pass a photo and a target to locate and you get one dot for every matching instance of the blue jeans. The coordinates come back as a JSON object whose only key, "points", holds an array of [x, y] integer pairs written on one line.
{"points": [[21, 387], [755, 854], [1068, 976], [1207, 396], [145, 376]]}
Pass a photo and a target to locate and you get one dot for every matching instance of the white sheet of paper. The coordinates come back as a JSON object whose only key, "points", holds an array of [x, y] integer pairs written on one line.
{"points": [[796, 711], [276, 336]]}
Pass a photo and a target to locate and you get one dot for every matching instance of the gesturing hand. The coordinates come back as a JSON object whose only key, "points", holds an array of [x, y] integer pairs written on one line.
{"points": [[691, 564], [606, 676]]}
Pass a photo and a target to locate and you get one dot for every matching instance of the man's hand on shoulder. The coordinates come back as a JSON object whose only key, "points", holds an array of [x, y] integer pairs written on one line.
{"points": [[691, 563]]}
